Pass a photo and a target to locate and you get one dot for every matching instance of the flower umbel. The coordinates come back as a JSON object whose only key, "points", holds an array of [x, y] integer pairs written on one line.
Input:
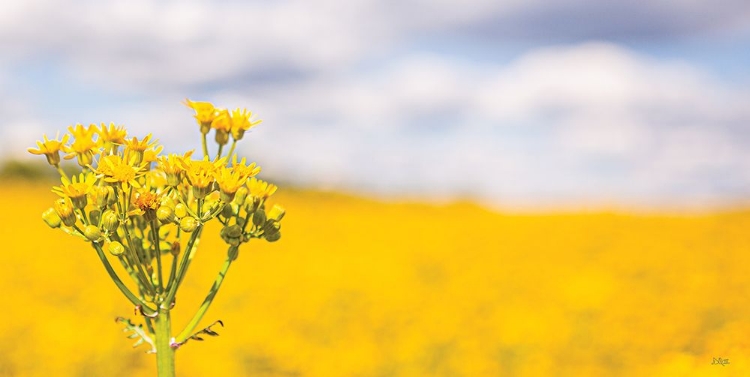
{"points": [[142, 213]]}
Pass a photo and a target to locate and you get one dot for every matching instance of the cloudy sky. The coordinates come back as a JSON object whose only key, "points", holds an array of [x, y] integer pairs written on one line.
{"points": [[514, 103]]}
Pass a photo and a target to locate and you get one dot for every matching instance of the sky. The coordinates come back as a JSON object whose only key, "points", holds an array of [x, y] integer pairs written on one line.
{"points": [[517, 104]]}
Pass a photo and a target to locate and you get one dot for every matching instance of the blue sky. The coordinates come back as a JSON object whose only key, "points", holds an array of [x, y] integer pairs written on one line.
{"points": [[519, 104]]}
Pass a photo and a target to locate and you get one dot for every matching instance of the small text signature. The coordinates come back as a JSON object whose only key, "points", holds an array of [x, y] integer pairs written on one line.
{"points": [[720, 361]]}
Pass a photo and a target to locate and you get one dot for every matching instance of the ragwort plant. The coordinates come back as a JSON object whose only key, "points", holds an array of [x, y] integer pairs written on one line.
{"points": [[147, 212]]}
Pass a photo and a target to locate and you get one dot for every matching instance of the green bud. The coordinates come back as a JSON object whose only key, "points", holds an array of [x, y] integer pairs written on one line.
{"points": [[188, 224], [233, 231], [94, 216], [165, 214], [110, 221], [222, 137], [180, 210], [271, 227], [229, 210], [80, 202], [102, 195], [273, 237], [115, 248], [259, 217], [51, 217], [93, 233]]}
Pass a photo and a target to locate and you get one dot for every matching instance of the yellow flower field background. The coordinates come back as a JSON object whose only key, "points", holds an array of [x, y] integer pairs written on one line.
{"points": [[358, 287]]}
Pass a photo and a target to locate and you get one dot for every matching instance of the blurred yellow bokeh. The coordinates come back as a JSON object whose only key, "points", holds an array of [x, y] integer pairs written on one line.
{"points": [[358, 287]]}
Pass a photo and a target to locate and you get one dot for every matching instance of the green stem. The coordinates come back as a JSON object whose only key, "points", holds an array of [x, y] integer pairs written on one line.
{"points": [[231, 150], [164, 350], [157, 250], [124, 289], [61, 171], [207, 301], [192, 246], [218, 155], [205, 146]]}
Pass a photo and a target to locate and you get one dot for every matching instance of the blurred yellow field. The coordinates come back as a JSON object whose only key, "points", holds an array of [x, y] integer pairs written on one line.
{"points": [[358, 287]]}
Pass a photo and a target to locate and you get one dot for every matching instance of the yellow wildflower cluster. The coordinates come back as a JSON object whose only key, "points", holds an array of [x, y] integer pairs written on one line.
{"points": [[142, 206]]}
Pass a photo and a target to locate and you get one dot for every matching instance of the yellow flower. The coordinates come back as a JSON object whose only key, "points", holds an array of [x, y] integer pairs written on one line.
{"points": [[205, 112], [229, 181], [173, 166], [77, 190], [202, 174], [84, 147], [146, 204], [244, 169], [50, 148], [110, 137], [261, 189], [223, 126], [115, 170], [240, 122], [135, 149]]}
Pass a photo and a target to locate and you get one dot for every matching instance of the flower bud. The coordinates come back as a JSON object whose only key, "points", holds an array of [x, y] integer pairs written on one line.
{"points": [[273, 237], [64, 209], [240, 195], [94, 216], [51, 217], [233, 231], [277, 212], [93, 233], [110, 221], [188, 224], [175, 249], [102, 195], [180, 210], [229, 210], [259, 217], [271, 227], [165, 214], [115, 248], [222, 137]]}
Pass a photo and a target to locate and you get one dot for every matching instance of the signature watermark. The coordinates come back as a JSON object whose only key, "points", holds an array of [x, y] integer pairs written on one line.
{"points": [[720, 361]]}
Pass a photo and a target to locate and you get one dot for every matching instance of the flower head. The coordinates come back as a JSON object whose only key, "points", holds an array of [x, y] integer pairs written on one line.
{"points": [[173, 166], [146, 204], [77, 189], [261, 189], [50, 148], [135, 149], [112, 136], [243, 169], [240, 122], [84, 147], [202, 174], [223, 126], [205, 112], [115, 169]]}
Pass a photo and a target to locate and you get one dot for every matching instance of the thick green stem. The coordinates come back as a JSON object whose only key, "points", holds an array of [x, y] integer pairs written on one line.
{"points": [[164, 350], [207, 301]]}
